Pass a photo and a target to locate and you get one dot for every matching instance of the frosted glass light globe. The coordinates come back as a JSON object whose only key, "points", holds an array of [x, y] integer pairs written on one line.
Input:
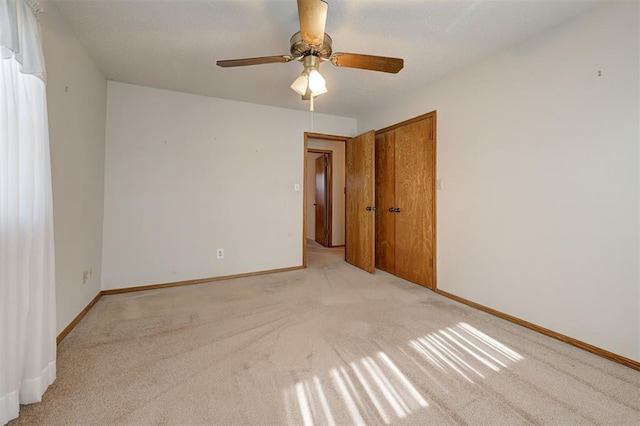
{"points": [[317, 84]]}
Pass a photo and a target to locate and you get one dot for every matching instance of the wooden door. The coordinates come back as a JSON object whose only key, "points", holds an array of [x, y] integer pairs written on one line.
{"points": [[322, 233], [385, 201], [415, 191], [360, 201]]}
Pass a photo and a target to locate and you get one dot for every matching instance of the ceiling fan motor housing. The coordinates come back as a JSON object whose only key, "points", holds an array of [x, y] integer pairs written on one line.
{"points": [[300, 49]]}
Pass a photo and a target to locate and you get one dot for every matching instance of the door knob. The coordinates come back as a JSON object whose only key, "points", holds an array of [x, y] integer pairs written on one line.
{"points": [[397, 210], [371, 208], [391, 209]]}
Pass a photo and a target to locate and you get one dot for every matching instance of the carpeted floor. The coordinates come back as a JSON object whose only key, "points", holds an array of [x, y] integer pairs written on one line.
{"points": [[327, 345]]}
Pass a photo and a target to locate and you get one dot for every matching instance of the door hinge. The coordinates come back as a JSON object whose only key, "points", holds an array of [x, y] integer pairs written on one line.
{"points": [[431, 135], [326, 162], [431, 262]]}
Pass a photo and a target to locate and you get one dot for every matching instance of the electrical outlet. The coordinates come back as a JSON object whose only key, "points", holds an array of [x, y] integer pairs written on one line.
{"points": [[85, 277], [220, 253]]}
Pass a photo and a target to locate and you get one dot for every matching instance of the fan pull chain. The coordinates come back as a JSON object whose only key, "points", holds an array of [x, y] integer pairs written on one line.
{"points": [[311, 110]]}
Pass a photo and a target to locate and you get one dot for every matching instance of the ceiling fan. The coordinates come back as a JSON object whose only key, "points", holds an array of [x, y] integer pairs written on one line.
{"points": [[312, 46]]}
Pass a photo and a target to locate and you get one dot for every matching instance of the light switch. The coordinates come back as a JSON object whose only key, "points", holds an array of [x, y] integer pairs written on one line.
{"points": [[296, 187]]}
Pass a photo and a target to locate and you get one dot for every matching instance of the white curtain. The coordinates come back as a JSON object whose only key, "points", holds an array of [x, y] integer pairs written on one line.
{"points": [[27, 276]]}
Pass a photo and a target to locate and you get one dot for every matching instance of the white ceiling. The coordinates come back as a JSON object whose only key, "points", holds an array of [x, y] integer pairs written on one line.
{"points": [[174, 44]]}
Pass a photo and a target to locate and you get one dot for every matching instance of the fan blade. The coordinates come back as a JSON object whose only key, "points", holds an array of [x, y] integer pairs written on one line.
{"points": [[313, 18], [367, 62], [254, 61]]}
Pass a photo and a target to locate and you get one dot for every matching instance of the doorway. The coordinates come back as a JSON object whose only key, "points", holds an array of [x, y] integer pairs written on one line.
{"points": [[329, 231]]}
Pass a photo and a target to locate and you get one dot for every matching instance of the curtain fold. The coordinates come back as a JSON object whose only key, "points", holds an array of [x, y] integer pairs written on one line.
{"points": [[20, 35], [27, 272]]}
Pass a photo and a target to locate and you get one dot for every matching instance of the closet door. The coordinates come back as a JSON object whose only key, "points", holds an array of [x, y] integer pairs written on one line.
{"points": [[385, 201], [414, 195]]}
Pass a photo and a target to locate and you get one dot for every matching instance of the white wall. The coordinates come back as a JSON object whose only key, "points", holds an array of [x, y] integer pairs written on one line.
{"points": [[338, 182], [538, 155], [188, 174], [77, 100]]}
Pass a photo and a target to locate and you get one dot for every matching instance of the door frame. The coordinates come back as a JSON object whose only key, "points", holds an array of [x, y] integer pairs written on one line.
{"points": [[322, 136], [328, 192]]}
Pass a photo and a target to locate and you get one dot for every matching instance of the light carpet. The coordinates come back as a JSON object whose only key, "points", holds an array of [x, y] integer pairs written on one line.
{"points": [[330, 344]]}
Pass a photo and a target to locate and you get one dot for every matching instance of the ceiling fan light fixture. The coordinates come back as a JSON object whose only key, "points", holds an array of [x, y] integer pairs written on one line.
{"points": [[310, 83]]}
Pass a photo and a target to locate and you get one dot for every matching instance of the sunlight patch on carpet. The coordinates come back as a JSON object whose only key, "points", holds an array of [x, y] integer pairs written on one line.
{"points": [[464, 350], [374, 389], [371, 386]]}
